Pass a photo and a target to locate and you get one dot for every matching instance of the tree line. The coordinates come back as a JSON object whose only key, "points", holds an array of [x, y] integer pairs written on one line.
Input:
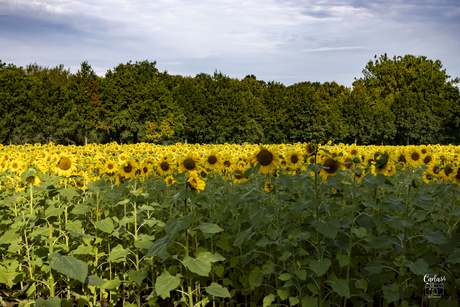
{"points": [[397, 101]]}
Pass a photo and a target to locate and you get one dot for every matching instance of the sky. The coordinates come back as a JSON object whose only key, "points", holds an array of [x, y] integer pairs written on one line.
{"points": [[282, 41]]}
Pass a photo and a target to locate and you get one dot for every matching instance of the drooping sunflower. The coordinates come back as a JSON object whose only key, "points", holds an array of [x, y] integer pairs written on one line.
{"points": [[195, 182], [427, 177], [268, 187], [238, 175], [447, 173], [65, 165], [310, 149], [332, 166], [128, 169], [268, 159], [456, 175]]}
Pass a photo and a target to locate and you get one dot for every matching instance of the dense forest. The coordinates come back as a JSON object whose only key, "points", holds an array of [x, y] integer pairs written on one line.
{"points": [[397, 101]]}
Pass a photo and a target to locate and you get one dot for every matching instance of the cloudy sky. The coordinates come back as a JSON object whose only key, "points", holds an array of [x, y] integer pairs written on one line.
{"points": [[282, 41]]}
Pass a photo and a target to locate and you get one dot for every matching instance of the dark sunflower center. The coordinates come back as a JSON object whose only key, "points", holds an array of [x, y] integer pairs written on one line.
{"points": [[145, 169], [354, 152], [402, 159], [203, 174], [458, 174], [264, 157], [15, 165], [415, 156], [189, 164], [348, 163], [227, 164], [294, 159], [64, 163], [110, 166], [238, 174], [128, 168], [164, 166], [448, 171], [427, 159], [311, 148], [332, 165], [435, 169], [212, 159]]}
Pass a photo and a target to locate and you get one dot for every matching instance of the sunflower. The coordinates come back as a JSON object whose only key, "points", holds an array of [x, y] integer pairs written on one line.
{"points": [[169, 180], [188, 163], [15, 165], [415, 156], [456, 175], [195, 182], [332, 166], [212, 160], [110, 167], [269, 187], [427, 177], [238, 175], [128, 169], [267, 159], [65, 165], [358, 173], [310, 149], [447, 173], [402, 160], [348, 162], [294, 159], [165, 165]]}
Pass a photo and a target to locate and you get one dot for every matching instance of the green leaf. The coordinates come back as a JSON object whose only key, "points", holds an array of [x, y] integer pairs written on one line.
{"points": [[454, 257], [268, 300], [94, 281], [83, 250], [9, 237], [217, 290], [255, 277], [106, 225], [419, 267], [219, 270], [197, 266], [293, 301], [111, 284], [391, 293], [53, 302], [329, 228], [340, 286], [320, 267], [309, 301], [159, 246], [69, 266], [81, 209], [374, 267], [361, 284], [137, 276], [52, 211], [268, 268], [302, 274], [118, 252], [283, 294], [435, 237], [284, 277], [344, 260], [207, 256], [209, 228], [165, 283]]}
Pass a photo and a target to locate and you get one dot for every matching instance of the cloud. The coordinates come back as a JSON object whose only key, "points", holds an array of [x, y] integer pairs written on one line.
{"points": [[334, 49]]}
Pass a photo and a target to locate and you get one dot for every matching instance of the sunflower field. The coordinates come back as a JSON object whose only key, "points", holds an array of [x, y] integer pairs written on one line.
{"points": [[229, 225]]}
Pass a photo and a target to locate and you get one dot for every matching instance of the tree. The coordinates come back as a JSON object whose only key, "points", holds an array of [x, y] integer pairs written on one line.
{"points": [[15, 87], [87, 108], [418, 92]]}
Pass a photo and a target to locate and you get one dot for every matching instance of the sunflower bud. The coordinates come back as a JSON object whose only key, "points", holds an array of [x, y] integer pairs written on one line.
{"points": [[356, 160], [415, 183]]}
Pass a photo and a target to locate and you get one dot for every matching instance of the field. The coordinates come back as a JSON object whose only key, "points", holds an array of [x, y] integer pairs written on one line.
{"points": [[229, 225]]}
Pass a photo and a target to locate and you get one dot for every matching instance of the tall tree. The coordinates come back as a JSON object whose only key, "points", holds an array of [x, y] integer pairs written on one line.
{"points": [[415, 89], [86, 95], [15, 87]]}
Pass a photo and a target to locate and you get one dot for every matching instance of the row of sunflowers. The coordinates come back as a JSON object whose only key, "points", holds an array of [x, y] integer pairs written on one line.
{"points": [[82, 164]]}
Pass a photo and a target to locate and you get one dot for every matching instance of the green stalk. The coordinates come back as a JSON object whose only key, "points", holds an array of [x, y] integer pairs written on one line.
{"points": [[350, 242], [31, 199], [51, 277]]}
